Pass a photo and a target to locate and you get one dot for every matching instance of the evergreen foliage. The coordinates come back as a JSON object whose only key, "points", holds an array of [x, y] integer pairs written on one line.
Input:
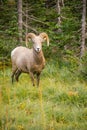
{"points": [[43, 17]]}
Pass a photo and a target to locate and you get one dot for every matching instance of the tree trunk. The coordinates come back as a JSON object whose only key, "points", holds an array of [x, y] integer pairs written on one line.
{"points": [[20, 20], [83, 29], [59, 14], [62, 1], [26, 18]]}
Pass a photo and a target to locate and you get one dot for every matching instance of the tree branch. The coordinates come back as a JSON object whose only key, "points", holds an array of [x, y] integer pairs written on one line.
{"points": [[29, 27], [34, 19]]}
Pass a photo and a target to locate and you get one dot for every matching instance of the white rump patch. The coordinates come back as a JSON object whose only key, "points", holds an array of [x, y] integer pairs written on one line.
{"points": [[13, 52]]}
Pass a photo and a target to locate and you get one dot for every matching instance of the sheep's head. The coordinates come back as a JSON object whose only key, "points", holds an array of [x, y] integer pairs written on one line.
{"points": [[37, 40]]}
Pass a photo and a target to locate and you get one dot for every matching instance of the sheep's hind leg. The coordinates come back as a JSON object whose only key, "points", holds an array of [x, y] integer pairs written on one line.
{"points": [[17, 74], [12, 76]]}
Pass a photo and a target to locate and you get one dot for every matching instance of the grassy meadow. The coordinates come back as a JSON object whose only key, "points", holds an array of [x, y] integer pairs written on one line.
{"points": [[60, 103]]}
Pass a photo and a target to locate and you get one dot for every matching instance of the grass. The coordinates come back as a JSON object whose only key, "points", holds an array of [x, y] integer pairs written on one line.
{"points": [[60, 103]]}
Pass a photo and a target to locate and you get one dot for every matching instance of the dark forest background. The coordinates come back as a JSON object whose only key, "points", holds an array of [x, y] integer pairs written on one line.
{"points": [[62, 20]]}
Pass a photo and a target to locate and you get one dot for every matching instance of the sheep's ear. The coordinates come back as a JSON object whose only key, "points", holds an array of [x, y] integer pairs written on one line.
{"points": [[45, 37]]}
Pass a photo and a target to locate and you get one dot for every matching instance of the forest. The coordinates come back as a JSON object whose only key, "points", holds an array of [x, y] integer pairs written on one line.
{"points": [[60, 101]]}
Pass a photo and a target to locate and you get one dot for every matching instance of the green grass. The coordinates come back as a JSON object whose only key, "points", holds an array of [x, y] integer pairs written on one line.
{"points": [[60, 103]]}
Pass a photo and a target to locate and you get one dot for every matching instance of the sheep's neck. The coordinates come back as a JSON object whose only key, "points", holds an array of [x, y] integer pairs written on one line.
{"points": [[39, 57]]}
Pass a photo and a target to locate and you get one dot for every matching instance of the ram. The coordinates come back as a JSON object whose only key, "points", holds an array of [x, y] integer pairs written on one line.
{"points": [[31, 61]]}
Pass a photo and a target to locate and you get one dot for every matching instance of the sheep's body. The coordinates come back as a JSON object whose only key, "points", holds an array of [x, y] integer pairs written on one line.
{"points": [[29, 61]]}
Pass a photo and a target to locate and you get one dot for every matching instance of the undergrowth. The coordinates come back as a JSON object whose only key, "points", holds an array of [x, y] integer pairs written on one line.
{"points": [[59, 103]]}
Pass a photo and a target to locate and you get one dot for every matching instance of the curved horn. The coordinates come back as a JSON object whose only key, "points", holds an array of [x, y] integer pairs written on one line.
{"points": [[44, 36], [31, 36]]}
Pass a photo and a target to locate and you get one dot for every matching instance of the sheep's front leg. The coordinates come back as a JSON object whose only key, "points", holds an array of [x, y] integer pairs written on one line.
{"points": [[38, 79], [32, 77]]}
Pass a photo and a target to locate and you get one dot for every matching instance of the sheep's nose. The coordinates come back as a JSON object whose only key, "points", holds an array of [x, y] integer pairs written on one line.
{"points": [[38, 49]]}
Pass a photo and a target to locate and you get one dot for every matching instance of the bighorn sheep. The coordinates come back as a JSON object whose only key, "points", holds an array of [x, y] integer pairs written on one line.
{"points": [[27, 60]]}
